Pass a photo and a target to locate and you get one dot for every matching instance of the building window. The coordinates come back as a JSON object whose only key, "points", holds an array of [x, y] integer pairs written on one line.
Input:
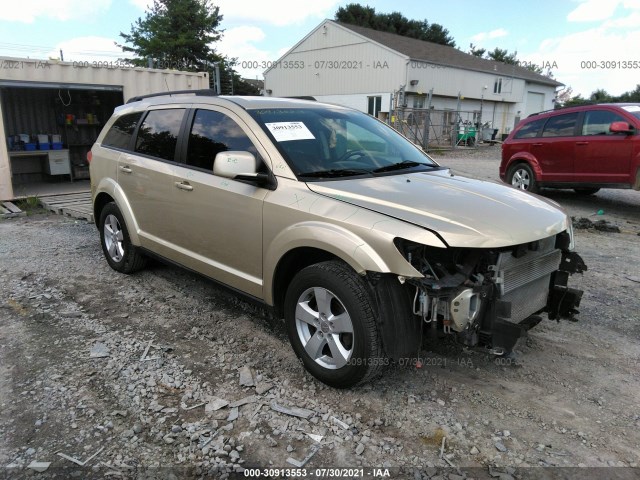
{"points": [[375, 104], [497, 85], [418, 101]]}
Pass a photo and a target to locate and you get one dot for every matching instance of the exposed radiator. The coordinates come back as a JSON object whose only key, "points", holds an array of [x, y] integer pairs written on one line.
{"points": [[525, 281]]}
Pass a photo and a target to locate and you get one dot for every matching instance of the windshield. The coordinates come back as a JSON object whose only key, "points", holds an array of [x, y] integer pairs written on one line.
{"points": [[633, 110], [325, 142]]}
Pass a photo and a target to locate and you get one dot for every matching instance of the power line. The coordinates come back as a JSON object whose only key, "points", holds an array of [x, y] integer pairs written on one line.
{"points": [[40, 49]]}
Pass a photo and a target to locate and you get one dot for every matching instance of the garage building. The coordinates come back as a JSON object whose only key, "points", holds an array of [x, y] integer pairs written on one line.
{"points": [[373, 71], [52, 112]]}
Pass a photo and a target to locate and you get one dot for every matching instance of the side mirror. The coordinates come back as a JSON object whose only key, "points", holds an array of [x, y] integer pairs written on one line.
{"points": [[621, 127], [230, 164], [263, 180], [242, 166]]}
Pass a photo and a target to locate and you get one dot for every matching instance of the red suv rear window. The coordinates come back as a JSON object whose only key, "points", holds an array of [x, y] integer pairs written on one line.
{"points": [[530, 129]]}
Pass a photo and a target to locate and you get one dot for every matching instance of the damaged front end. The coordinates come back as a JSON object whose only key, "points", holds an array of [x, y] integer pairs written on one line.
{"points": [[491, 297]]}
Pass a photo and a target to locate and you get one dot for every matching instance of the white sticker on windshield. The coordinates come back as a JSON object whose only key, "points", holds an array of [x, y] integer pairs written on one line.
{"points": [[286, 131], [631, 108]]}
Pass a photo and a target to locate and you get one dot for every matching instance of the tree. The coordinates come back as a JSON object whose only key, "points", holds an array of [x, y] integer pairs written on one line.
{"points": [[600, 96], [476, 52], [395, 22], [563, 96], [632, 96], [501, 55], [355, 14], [575, 101], [177, 34]]}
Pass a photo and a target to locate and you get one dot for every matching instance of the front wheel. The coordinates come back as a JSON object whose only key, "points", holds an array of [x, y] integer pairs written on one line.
{"points": [[331, 324], [120, 253], [521, 176]]}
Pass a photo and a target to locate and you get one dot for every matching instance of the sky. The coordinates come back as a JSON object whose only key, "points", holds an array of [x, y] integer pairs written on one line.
{"points": [[589, 44]]}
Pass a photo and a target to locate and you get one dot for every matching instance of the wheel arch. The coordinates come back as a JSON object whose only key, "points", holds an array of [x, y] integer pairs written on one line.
{"points": [[99, 203], [303, 242], [291, 263], [109, 191], [526, 158]]}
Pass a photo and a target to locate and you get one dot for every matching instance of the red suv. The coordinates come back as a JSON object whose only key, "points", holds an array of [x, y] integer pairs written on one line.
{"points": [[585, 148]]}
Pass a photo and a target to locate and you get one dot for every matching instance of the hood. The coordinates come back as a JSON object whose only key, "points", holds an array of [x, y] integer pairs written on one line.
{"points": [[463, 211]]}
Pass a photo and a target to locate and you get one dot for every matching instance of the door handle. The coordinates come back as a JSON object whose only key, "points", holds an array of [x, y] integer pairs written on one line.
{"points": [[125, 168], [582, 143], [184, 186], [537, 144]]}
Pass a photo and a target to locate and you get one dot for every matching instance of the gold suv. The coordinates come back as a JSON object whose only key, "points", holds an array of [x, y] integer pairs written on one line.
{"points": [[334, 221]]}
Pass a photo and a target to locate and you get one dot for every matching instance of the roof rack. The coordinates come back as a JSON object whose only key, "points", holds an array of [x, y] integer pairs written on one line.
{"points": [[303, 97], [200, 93], [566, 106]]}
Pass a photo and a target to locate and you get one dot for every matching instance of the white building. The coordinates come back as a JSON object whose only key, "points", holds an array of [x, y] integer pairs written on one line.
{"points": [[362, 68], [51, 113]]}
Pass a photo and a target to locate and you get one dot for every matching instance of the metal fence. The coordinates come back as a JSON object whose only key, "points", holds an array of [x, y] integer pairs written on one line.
{"points": [[440, 129]]}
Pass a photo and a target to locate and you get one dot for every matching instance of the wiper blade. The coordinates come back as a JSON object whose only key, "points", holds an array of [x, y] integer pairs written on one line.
{"points": [[343, 172], [400, 166]]}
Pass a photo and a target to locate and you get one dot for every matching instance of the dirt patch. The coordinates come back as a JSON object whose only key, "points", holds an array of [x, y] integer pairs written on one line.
{"points": [[175, 344], [583, 223]]}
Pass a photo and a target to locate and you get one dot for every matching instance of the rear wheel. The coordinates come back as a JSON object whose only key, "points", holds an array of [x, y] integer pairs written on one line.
{"points": [[586, 191], [521, 176], [331, 324], [120, 253]]}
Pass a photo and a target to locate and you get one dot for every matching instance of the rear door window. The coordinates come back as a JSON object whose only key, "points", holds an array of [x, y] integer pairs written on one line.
{"points": [[561, 126], [531, 129], [158, 134], [120, 133], [597, 122]]}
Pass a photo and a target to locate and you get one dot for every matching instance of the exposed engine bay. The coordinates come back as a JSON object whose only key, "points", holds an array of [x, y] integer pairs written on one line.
{"points": [[491, 297]]}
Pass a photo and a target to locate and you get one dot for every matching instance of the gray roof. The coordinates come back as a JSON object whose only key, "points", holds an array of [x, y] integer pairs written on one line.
{"points": [[444, 55]]}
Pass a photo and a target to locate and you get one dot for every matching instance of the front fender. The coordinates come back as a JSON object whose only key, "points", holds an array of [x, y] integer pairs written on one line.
{"points": [[342, 243], [110, 187]]}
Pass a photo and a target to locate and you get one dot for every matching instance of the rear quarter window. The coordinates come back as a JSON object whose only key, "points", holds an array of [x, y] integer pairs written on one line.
{"points": [[120, 133], [530, 129]]}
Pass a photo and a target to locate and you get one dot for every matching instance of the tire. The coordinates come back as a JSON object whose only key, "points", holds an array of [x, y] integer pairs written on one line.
{"points": [[586, 191], [352, 354], [521, 176], [120, 253]]}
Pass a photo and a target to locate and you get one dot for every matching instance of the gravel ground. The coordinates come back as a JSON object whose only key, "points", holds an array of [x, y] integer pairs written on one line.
{"points": [[162, 374]]}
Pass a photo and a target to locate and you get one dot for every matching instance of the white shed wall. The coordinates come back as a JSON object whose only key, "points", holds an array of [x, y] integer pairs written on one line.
{"points": [[134, 82], [357, 101], [332, 60], [449, 81]]}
